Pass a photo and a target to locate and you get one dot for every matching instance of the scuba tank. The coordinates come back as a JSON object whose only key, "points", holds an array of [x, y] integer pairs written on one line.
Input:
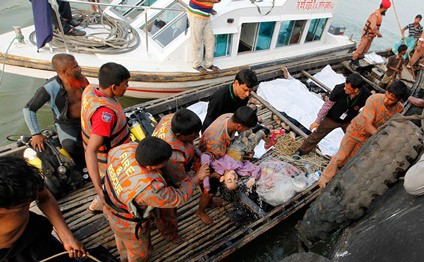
{"points": [[55, 164], [141, 123]]}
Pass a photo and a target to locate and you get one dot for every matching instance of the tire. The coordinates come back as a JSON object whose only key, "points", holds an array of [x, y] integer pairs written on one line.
{"points": [[364, 177]]}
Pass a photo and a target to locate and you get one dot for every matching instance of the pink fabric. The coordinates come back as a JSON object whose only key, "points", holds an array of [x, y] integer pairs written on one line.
{"points": [[220, 165]]}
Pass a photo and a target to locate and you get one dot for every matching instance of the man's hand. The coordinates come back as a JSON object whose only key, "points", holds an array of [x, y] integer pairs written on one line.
{"points": [[313, 126], [203, 172], [251, 182], [37, 142], [74, 248], [249, 155], [379, 34], [213, 12]]}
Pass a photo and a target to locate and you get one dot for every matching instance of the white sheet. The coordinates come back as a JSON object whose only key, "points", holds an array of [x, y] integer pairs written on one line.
{"points": [[292, 97], [373, 58], [329, 77]]}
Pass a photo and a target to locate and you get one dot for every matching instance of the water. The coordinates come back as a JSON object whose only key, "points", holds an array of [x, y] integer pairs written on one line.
{"points": [[15, 91]]}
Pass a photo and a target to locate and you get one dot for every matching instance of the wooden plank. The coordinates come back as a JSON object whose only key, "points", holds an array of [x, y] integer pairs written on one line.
{"points": [[373, 85]]}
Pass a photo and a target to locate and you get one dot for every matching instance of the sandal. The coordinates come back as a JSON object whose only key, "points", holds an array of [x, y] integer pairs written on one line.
{"points": [[214, 68], [201, 69]]}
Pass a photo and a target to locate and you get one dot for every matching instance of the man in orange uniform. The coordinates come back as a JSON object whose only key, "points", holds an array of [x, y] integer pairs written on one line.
{"points": [[179, 130], [419, 51], [103, 123], [378, 109], [134, 185], [369, 32], [215, 140]]}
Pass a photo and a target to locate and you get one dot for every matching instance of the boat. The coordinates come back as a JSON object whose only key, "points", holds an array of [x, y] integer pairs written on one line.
{"points": [[247, 34], [218, 241]]}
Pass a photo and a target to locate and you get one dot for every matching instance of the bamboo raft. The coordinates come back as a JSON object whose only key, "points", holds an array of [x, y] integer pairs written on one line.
{"points": [[203, 242]]}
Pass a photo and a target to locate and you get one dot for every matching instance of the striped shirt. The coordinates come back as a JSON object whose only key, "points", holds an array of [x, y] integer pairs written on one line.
{"points": [[200, 9], [414, 32]]}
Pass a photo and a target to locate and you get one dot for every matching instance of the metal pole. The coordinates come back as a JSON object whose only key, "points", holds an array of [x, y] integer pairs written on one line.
{"points": [[319, 83], [145, 29], [56, 11]]}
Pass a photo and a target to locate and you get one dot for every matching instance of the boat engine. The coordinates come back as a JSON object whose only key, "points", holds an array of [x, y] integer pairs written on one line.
{"points": [[56, 165]]}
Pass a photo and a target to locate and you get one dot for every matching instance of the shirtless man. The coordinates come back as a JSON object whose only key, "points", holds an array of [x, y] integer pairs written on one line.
{"points": [[63, 93], [24, 235]]}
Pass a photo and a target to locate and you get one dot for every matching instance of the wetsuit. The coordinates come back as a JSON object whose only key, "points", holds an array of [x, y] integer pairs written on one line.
{"points": [[68, 129]]}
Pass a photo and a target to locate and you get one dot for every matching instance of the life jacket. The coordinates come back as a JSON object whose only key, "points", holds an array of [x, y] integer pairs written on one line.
{"points": [[120, 132], [125, 179], [163, 130], [367, 30]]}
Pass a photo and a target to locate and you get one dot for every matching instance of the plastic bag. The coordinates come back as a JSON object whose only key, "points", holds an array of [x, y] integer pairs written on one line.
{"points": [[279, 181]]}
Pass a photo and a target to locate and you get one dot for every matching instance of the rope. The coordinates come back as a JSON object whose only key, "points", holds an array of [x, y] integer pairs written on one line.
{"points": [[117, 36], [404, 40], [4, 57], [66, 252], [259, 9]]}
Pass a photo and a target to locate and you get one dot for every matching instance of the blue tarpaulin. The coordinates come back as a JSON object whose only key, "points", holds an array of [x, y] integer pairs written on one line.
{"points": [[43, 27]]}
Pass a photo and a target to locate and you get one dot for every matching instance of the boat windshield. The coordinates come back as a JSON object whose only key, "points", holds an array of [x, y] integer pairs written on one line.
{"points": [[167, 24], [131, 13]]}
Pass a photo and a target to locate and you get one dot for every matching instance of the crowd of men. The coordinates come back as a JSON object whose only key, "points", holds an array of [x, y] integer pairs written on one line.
{"points": [[138, 182]]}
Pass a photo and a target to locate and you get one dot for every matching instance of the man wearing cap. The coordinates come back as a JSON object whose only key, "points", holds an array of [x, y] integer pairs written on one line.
{"points": [[369, 32]]}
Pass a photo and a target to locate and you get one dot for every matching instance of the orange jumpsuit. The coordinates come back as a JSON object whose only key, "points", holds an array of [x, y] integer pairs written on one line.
{"points": [[419, 50], [369, 32], [175, 171], [356, 134], [215, 140], [131, 191]]}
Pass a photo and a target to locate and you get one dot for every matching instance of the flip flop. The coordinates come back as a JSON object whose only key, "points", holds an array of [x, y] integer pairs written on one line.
{"points": [[201, 69]]}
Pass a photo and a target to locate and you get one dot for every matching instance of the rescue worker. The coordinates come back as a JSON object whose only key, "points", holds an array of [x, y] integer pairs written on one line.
{"points": [[179, 130], [134, 185], [103, 122], [378, 109], [369, 32], [343, 105], [229, 98], [215, 141], [63, 93], [418, 53], [24, 235]]}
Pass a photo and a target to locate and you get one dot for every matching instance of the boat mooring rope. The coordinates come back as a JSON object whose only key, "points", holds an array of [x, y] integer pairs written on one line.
{"points": [[117, 36], [67, 252]]}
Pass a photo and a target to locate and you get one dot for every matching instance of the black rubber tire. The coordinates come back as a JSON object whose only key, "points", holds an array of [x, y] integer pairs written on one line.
{"points": [[366, 175]]}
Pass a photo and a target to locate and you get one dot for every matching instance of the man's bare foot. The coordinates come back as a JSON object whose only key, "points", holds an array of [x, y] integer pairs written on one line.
{"points": [[204, 217], [177, 240], [216, 202]]}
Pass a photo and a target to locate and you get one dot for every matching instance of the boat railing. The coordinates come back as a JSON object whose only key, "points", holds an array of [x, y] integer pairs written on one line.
{"points": [[137, 6]]}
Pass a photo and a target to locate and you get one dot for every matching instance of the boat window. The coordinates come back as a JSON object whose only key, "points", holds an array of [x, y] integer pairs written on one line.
{"points": [[131, 13], [222, 45], [266, 29], [290, 32], [163, 18], [316, 28], [255, 36], [172, 30]]}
